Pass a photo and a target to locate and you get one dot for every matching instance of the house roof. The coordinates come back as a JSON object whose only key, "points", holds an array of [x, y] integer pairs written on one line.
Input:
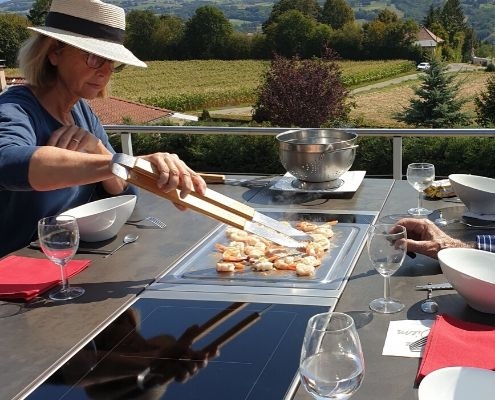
{"points": [[427, 36], [114, 111]]}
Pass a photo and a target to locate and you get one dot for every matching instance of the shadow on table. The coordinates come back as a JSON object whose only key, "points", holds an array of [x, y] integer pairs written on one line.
{"points": [[94, 292]]}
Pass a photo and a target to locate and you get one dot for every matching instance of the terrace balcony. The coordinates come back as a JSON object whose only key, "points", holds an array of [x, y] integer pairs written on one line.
{"points": [[396, 134], [153, 278]]}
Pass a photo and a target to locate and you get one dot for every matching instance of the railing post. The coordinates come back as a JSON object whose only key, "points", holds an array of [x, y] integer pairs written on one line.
{"points": [[397, 157], [126, 141]]}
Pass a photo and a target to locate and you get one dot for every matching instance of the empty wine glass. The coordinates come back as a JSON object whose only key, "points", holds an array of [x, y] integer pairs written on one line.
{"points": [[420, 176], [59, 240], [387, 250], [332, 362]]}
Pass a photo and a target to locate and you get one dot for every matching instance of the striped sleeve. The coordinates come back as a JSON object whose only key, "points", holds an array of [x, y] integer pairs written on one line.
{"points": [[486, 242]]}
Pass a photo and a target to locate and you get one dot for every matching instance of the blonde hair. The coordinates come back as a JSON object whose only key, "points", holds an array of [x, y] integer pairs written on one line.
{"points": [[35, 65]]}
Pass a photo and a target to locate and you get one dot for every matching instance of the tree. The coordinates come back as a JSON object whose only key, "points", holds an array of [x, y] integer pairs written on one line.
{"points": [[388, 37], [337, 13], [291, 33], [167, 38], [453, 18], [13, 32], [37, 13], [347, 42], [436, 105], [485, 104], [310, 8], [302, 93], [207, 33], [140, 28]]}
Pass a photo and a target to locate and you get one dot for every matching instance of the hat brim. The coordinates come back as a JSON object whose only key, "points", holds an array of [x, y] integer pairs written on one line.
{"points": [[103, 48]]}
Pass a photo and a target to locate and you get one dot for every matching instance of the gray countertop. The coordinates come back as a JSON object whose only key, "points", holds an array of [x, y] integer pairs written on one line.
{"points": [[43, 335]]}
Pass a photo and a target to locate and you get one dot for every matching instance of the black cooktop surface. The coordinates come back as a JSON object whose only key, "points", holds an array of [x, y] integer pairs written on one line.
{"points": [[253, 353]]}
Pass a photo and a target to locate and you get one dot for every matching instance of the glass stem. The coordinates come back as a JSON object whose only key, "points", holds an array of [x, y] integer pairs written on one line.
{"points": [[65, 283], [386, 287], [420, 203]]}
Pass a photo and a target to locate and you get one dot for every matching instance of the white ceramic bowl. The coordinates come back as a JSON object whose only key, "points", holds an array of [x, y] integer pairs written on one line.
{"points": [[471, 272], [476, 192], [102, 219]]}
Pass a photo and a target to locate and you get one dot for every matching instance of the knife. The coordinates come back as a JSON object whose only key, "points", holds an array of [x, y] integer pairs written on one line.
{"points": [[214, 204], [81, 250], [260, 181], [435, 286]]}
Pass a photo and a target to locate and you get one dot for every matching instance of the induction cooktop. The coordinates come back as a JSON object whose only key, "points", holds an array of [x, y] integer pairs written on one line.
{"points": [[255, 353]]}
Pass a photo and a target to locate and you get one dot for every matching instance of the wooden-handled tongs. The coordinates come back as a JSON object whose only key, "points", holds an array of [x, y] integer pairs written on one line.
{"points": [[213, 204]]}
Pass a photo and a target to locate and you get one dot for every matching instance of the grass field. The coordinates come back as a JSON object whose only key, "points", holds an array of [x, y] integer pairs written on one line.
{"points": [[376, 107], [206, 84], [196, 85]]}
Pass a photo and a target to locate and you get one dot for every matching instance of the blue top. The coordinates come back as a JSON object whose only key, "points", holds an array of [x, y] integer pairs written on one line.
{"points": [[25, 125]]}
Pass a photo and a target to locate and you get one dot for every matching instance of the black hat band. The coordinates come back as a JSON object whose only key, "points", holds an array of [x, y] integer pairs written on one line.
{"points": [[84, 27]]}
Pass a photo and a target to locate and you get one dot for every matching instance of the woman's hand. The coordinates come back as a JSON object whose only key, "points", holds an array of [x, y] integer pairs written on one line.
{"points": [[424, 237], [77, 139], [174, 173]]}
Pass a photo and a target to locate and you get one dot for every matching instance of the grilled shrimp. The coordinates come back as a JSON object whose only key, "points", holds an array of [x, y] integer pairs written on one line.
{"points": [[233, 254], [287, 262], [262, 264], [224, 266], [303, 269]]}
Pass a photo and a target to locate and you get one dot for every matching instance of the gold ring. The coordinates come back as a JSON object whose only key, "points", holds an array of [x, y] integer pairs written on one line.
{"points": [[75, 140]]}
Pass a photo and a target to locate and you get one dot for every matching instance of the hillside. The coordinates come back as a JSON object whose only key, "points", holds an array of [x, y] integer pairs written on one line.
{"points": [[248, 15]]}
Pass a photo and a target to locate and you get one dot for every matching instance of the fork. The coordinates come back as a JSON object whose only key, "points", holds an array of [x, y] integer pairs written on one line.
{"points": [[156, 221], [418, 344]]}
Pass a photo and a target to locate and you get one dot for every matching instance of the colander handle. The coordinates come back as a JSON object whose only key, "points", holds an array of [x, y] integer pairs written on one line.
{"points": [[341, 149]]}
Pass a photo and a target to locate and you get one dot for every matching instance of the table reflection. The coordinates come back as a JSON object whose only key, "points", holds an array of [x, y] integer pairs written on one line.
{"points": [[155, 347]]}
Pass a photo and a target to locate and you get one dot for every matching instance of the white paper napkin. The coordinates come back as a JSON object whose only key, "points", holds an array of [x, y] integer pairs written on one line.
{"points": [[402, 333]]}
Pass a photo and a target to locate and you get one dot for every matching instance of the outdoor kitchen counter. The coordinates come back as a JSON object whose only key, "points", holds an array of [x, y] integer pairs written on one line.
{"points": [[42, 336]]}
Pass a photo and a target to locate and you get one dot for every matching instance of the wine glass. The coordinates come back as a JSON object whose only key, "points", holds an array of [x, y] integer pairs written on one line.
{"points": [[59, 240], [332, 362], [387, 250], [420, 176]]}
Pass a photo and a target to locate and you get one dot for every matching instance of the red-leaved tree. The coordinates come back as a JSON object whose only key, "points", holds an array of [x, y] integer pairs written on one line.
{"points": [[302, 93]]}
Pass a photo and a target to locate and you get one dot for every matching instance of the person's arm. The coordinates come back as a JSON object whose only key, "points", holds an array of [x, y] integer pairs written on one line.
{"points": [[53, 168], [424, 237]]}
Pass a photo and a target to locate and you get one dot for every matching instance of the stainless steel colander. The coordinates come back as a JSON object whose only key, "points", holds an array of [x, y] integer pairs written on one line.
{"points": [[317, 155]]}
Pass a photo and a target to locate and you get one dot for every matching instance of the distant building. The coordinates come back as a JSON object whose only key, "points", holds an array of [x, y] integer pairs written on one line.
{"points": [[428, 40], [483, 61]]}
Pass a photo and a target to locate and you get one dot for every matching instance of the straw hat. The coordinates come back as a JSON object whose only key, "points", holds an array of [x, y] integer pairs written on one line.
{"points": [[90, 25]]}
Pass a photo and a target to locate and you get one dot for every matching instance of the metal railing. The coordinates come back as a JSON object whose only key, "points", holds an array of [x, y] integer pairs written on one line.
{"points": [[397, 135]]}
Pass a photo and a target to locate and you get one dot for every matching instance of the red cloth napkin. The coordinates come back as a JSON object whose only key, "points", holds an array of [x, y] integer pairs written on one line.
{"points": [[26, 277], [456, 343]]}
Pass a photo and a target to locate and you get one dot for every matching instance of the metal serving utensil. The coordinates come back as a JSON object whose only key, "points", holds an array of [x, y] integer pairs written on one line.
{"points": [[213, 204]]}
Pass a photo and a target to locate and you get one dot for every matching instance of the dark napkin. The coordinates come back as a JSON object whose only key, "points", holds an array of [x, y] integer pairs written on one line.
{"points": [[456, 343], [26, 277]]}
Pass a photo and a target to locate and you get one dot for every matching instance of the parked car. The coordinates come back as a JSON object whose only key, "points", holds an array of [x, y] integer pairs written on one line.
{"points": [[423, 66]]}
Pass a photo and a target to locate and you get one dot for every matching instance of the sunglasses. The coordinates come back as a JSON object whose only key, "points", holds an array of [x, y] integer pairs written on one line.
{"points": [[94, 61]]}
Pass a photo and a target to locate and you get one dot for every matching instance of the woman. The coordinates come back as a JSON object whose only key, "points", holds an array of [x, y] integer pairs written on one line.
{"points": [[54, 153]]}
